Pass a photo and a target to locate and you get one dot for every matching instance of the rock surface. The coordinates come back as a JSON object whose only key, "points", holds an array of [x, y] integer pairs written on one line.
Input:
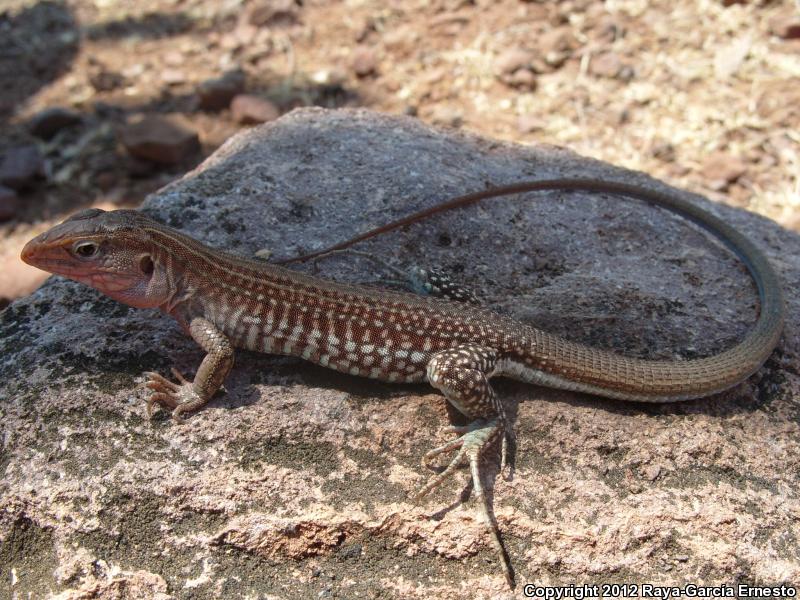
{"points": [[295, 482]]}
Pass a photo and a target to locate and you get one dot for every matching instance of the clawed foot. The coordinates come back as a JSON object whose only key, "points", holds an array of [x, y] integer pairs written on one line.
{"points": [[474, 438], [179, 397]]}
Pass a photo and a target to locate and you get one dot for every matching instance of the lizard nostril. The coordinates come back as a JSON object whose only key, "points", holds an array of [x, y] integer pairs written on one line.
{"points": [[28, 252]]}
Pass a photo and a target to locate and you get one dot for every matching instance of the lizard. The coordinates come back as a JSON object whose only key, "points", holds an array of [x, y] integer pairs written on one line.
{"points": [[224, 301]]}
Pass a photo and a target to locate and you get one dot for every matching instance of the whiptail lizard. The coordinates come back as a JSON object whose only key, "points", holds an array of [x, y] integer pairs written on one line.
{"points": [[225, 301]]}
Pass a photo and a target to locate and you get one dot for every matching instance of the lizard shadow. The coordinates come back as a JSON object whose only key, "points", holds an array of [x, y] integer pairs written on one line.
{"points": [[280, 368]]}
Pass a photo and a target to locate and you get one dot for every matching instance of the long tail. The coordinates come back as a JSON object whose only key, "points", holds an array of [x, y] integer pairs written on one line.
{"points": [[607, 374]]}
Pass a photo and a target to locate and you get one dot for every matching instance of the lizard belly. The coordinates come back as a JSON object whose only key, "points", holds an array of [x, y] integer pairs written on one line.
{"points": [[516, 369]]}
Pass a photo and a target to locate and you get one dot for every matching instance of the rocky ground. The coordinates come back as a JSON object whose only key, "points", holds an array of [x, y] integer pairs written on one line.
{"points": [[296, 482], [103, 102]]}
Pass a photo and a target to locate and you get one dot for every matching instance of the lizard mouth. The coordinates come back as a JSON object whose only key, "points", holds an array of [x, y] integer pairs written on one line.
{"points": [[28, 254], [53, 257], [39, 255], [48, 257]]}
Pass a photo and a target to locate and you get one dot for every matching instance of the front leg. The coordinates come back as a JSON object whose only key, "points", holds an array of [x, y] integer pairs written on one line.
{"points": [[187, 396]]}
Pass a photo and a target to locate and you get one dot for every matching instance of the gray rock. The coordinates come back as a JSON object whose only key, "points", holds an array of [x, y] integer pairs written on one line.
{"points": [[46, 123], [9, 203], [267, 491], [20, 166]]}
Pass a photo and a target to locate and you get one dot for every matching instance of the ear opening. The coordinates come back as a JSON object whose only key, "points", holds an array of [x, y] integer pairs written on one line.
{"points": [[146, 264]]}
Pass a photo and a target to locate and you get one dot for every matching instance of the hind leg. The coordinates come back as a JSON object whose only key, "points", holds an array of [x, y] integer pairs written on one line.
{"points": [[430, 281], [436, 282], [462, 374]]}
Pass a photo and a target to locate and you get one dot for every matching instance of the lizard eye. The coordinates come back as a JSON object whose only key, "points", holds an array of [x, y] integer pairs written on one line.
{"points": [[85, 249]]}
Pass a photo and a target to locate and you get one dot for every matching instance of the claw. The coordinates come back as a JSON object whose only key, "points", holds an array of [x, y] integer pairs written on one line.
{"points": [[159, 383], [491, 525], [455, 444], [179, 376], [176, 416], [159, 398], [436, 480], [459, 429], [178, 397]]}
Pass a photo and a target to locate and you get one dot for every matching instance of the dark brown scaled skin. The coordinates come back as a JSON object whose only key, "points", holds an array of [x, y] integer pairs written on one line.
{"points": [[224, 301]]}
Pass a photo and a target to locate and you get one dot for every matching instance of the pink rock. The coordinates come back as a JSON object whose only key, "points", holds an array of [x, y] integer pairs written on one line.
{"points": [[173, 76], [276, 13], [216, 94], [251, 110], [557, 45], [786, 25], [174, 58], [162, 139], [103, 80], [529, 124], [721, 169], [365, 62], [513, 60], [523, 79], [607, 64]]}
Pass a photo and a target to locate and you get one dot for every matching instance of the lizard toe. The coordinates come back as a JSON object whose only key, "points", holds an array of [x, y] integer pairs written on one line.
{"points": [[159, 383], [473, 441]]}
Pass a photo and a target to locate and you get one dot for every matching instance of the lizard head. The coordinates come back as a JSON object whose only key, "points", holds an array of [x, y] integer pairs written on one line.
{"points": [[109, 251]]}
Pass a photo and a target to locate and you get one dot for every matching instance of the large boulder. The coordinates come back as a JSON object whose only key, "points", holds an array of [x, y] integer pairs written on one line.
{"points": [[295, 482]]}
